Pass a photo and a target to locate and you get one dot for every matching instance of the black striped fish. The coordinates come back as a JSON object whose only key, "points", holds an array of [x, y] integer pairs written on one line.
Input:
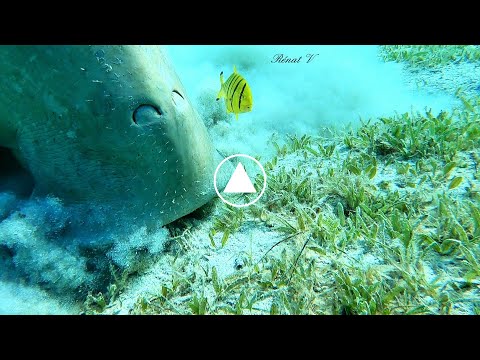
{"points": [[237, 93]]}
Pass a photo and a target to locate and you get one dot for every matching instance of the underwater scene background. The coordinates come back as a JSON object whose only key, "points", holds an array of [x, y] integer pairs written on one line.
{"points": [[372, 202]]}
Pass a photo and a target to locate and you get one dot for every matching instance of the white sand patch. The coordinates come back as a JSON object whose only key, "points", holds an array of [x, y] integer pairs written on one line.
{"points": [[246, 246], [445, 78]]}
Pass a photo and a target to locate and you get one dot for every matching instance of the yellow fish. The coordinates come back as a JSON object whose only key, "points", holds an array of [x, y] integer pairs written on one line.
{"points": [[237, 93]]}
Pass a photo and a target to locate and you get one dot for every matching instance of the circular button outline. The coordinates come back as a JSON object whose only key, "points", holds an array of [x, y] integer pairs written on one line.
{"points": [[264, 180]]}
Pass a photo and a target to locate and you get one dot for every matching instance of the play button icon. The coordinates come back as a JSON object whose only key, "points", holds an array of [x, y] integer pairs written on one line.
{"points": [[240, 182]]}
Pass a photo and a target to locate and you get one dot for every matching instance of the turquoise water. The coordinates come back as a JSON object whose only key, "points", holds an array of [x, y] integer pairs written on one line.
{"points": [[107, 201]]}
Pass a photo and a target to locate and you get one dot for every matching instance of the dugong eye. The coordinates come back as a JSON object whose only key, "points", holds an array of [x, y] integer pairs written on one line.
{"points": [[146, 114]]}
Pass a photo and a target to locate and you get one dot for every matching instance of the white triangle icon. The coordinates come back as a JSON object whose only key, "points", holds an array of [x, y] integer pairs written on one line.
{"points": [[239, 182]]}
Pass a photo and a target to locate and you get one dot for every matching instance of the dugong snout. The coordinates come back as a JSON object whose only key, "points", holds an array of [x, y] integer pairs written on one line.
{"points": [[106, 124]]}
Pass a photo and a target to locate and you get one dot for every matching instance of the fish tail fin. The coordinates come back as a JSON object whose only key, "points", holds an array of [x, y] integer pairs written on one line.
{"points": [[236, 116], [221, 93]]}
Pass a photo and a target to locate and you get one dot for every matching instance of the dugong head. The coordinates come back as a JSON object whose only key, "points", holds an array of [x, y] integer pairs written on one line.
{"points": [[110, 124]]}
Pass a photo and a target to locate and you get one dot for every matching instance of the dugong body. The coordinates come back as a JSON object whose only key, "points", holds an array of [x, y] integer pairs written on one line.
{"points": [[108, 124]]}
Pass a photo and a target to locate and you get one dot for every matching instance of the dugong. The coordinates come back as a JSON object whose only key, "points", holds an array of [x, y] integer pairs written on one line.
{"points": [[106, 124]]}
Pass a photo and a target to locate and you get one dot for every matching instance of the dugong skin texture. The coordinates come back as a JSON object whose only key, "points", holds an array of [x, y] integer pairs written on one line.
{"points": [[67, 112]]}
